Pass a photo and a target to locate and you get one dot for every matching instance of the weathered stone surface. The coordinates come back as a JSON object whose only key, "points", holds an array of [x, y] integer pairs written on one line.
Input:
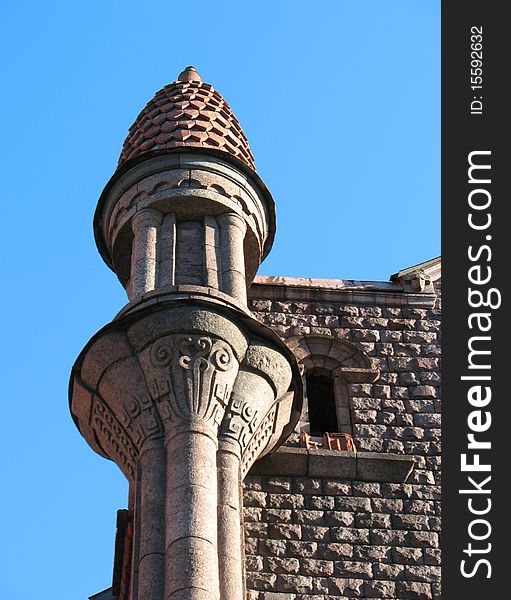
{"points": [[298, 584], [283, 565], [401, 555], [335, 551], [316, 568], [348, 534], [339, 519], [414, 591], [355, 569], [379, 589], [285, 532], [351, 588]]}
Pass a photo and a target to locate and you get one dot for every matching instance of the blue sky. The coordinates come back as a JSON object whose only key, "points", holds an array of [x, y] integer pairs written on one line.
{"points": [[340, 101]]}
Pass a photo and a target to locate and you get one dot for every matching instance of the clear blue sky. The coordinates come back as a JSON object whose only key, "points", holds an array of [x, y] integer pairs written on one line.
{"points": [[340, 101]]}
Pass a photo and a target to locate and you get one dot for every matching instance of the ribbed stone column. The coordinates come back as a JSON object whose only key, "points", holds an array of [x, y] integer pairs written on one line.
{"points": [[232, 234], [145, 226], [229, 522], [151, 558]]}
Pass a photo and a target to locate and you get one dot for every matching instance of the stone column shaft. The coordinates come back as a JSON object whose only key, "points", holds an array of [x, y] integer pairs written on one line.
{"points": [[191, 562], [232, 234], [229, 524], [143, 257], [151, 559]]}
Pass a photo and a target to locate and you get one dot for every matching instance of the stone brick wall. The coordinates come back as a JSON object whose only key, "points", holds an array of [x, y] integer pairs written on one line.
{"points": [[317, 538]]}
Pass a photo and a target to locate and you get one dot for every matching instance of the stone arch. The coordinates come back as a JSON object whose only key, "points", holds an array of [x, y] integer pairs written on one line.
{"points": [[340, 360]]}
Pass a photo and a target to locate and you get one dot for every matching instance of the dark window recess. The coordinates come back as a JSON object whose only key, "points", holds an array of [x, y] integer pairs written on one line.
{"points": [[321, 399]]}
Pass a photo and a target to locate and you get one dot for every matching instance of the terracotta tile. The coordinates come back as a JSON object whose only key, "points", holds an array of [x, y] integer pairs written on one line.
{"points": [[187, 113]]}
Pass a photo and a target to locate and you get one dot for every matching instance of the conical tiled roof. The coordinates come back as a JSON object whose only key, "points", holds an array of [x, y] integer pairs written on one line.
{"points": [[187, 113]]}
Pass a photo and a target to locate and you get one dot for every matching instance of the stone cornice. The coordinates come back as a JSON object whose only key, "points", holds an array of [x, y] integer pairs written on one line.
{"points": [[332, 290]]}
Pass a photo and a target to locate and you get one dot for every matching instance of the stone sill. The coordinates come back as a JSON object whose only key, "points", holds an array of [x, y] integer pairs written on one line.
{"points": [[335, 464]]}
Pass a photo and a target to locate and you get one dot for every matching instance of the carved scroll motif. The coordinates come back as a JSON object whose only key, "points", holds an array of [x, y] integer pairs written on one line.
{"points": [[192, 376]]}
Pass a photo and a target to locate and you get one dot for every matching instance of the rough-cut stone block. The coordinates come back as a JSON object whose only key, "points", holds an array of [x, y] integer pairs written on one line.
{"points": [[254, 563], [337, 488], [350, 535], [427, 420], [387, 505], [372, 553], [369, 431], [386, 537], [253, 498], [432, 556], [386, 571], [306, 485], [393, 490], [369, 445], [373, 520], [356, 569], [285, 532], [282, 565], [351, 588], [366, 489], [272, 547], [261, 581], [402, 555], [310, 517], [334, 551], [302, 549], [277, 484], [285, 501], [251, 545], [414, 591], [379, 589], [298, 584], [347, 503], [252, 482], [316, 534], [365, 403], [258, 530], [251, 514], [320, 502], [339, 519], [427, 574], [420, 507], [415, 522], [424, 539], [277, 515], [317, 568]]}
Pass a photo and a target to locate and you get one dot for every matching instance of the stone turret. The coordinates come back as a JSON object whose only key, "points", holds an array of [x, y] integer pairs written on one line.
{"points": [[185, 206], [184, 389]]}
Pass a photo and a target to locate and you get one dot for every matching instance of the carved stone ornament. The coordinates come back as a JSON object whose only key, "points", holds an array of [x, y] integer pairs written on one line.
{"points": [[190, 376]]}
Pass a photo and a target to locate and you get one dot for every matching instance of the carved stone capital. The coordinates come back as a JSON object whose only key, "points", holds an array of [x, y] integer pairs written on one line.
{"points": [[182, 368]]}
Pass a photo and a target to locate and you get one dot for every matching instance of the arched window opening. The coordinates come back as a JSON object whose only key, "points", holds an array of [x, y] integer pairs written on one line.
{"points": [[321, 404]]}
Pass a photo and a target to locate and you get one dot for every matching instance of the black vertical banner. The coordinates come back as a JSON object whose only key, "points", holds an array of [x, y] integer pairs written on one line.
{"points": [[476, 242]]}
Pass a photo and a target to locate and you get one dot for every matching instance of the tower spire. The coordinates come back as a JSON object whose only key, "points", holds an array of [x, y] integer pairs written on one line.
{"points": [[184, 390]]}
